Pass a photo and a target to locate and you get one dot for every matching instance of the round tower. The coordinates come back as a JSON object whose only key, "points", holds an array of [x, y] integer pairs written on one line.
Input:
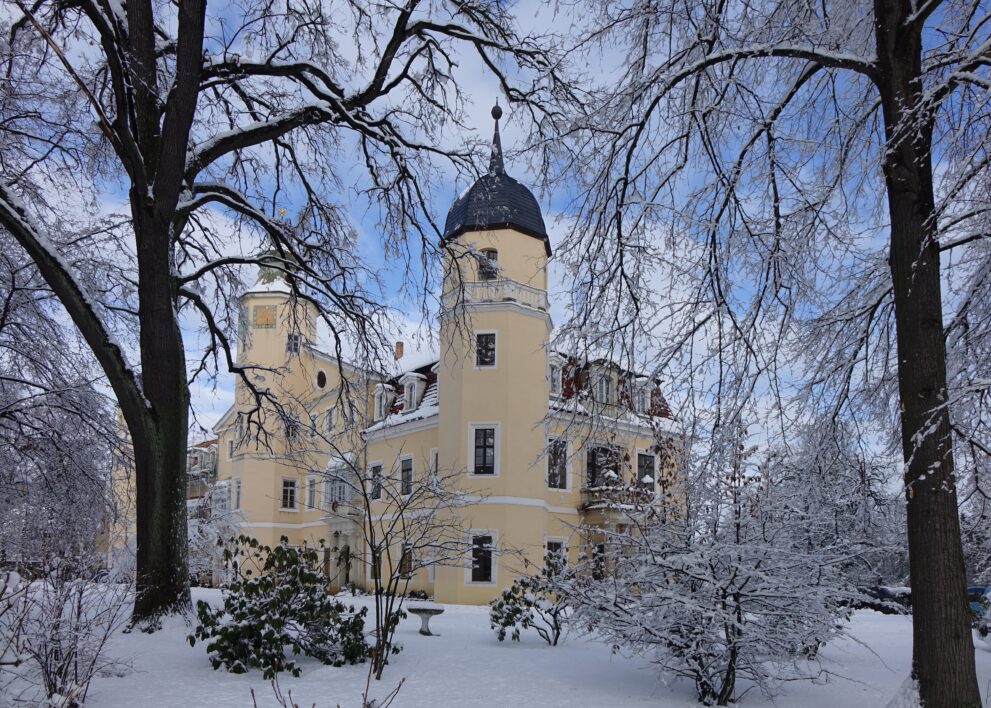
{"points": [[492, 379]]}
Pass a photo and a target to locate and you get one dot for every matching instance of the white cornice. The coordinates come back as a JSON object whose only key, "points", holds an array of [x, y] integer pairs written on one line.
{"points": [[408, 428]]}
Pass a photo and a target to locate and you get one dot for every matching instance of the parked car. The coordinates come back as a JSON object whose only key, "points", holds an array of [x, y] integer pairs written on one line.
{"points": [[979, 600]]}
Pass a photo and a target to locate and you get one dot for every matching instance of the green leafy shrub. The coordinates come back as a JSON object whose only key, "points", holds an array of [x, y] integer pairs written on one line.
{"points": [[531, 602], [284, 605]]}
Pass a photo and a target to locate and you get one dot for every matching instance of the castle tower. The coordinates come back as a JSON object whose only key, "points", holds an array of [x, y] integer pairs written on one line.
{"points": [[492, 380]]}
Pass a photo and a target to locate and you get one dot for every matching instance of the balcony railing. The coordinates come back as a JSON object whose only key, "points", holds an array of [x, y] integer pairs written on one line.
{"points": [[616, 497], [496, 291]]}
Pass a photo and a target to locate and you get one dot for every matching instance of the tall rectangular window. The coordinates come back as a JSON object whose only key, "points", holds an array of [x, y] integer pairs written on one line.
{"points": [[292, 427], [311, 493], [406, 561], [484, 451], [230, 449], [485, 349], [406, 476], [555, 556], [488, 264], [376, 568], [481, 559], [603, 391], [645, 471], [557, 464], [237, 495], [376, 490], [289, 494], [555, 380], [602, 466]]}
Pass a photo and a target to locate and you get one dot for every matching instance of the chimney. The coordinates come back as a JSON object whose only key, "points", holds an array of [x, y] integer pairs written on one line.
{"points": [[399, 350]]}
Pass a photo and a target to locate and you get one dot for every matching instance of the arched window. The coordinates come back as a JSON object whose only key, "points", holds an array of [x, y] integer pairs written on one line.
{"points": [[488, 264]]}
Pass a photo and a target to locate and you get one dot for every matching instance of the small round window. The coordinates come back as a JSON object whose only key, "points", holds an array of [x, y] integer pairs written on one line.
{"points": [[321, 379]]}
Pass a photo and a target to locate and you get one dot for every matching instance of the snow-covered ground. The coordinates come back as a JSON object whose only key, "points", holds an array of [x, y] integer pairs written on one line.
{"points": [[467, 666]]}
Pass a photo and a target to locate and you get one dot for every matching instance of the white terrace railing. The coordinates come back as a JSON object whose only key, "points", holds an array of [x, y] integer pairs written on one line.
{"points": [[496, 291]]}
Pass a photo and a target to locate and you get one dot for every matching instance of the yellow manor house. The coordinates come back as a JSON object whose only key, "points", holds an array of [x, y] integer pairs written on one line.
{"points": [[456, 472]]}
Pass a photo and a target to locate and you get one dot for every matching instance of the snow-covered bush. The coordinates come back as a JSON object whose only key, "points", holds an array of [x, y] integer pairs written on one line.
{"points": [[284, 605], [531, 602], [725, 588], [53, 634]]}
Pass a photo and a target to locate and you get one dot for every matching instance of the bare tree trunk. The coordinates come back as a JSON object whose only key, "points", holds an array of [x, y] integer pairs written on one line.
{"points": [[943, 650], [160, 453]]}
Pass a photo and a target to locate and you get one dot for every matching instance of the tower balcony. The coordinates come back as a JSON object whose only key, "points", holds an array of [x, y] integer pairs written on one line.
{"points": [[496, 291], [615, 498]]}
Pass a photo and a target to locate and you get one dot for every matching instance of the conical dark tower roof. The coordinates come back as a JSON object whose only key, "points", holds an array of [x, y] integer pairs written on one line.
{"points": [[496, 201]]}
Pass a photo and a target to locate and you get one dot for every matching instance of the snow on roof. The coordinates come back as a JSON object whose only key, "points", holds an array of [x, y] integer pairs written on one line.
{"points": [[429, 407]]}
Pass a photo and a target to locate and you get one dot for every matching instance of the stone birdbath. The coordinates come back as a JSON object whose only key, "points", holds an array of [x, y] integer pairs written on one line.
{"points": [[425, 613]]}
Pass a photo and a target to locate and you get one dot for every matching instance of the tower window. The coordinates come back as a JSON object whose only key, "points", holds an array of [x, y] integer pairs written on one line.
{"points": [[557, 464], [289, 494], [481, 559], [406, 476], [485, 451], [485, 349], [488, 264]]}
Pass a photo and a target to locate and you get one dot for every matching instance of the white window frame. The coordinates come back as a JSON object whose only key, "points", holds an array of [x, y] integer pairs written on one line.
{"points": [[555, 378], [282, 487], [485, 264], [311, 493], [371, 478], [604, 380], [636, 465], [328, 421], [399, 474], [474, 345], [641, 398], [472, 426], [434, 463], [567, 464], [236, 486], [472, 533], [557, 539], [370, 563], [294, 342]]}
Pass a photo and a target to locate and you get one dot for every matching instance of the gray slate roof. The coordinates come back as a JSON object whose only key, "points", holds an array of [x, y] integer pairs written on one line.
{"points": [[496, 201]]}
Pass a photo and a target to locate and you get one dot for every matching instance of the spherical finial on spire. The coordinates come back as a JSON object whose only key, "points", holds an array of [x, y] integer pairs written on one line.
{"points": [[496, 111]]}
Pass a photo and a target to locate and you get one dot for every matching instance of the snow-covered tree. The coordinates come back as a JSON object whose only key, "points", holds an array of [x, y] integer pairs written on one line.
{"points": [[779, 193], [725, 591], [57, 432], [846, 495], [152, 150], [406, 526], [212, 523]]}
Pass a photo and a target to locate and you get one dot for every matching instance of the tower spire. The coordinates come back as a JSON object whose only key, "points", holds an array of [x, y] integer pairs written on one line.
{"points": [[496, 166]]}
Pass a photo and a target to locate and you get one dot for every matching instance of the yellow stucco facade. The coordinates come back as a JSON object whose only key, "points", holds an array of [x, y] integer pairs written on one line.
{"points": [[483, 422]]}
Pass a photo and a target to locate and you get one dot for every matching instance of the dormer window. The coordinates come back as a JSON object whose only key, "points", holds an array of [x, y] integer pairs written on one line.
{"points": [[555, 380], [604, 388], [640, 399], [488, 264], [383, 400], [413, 385]]}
